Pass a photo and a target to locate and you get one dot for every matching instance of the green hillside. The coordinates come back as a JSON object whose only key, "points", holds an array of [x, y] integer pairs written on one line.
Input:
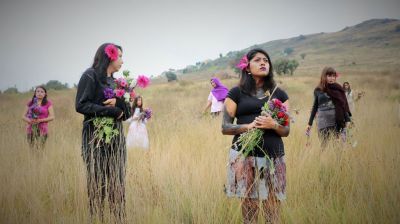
{"points": [[371, 46]]}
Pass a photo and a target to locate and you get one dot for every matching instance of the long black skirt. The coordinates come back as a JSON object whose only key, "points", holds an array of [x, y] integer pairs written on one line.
{"points": [[105, 166]]}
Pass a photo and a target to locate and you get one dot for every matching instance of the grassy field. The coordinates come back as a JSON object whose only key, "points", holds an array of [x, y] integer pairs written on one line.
{"points": [[181, 179]]}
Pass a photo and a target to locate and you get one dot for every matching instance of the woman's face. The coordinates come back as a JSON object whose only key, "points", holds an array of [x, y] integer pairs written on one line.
{"points": [[139, 102], [117, 64], [213, 84], [331, 78], [259, 65], [40, 93], [346, 86]]}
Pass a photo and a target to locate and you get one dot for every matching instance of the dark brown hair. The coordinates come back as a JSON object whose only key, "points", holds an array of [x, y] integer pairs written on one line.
{"points": [[134, 105], [247, 84], [44, 101], [324, 74]]}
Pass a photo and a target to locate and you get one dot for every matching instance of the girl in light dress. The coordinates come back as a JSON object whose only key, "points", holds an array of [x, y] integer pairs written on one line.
{"points": [[137, 135]]}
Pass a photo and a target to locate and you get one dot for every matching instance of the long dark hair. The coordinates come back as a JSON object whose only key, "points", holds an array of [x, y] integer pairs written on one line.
{"points": [[247, 84], [134, 105], [348, 85], [101, 61], [324, 74], [44, 101]]}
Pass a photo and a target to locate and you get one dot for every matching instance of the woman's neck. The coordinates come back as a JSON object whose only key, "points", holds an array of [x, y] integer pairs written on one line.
{"points": [[259, 82], [39, 101], [109, 71]]}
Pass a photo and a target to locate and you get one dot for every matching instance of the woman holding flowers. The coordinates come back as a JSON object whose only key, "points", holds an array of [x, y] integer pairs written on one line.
{"points": [[260, 174], [331, 104], [216, 97], [38, 112], [137, 135], [98, 99]]}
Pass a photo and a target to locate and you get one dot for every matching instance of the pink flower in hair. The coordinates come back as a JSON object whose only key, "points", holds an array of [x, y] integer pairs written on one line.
{"points": [[112, 52], [119, 92], [243, 63], [143, 81]]}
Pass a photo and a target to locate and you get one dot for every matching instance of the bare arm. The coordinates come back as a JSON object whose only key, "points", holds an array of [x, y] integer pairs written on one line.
{"points": [[207, 106], [228, 127]]}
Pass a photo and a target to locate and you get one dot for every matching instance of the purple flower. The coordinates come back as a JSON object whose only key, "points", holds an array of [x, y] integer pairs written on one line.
{"points": [[108, 93], [148, 113]]}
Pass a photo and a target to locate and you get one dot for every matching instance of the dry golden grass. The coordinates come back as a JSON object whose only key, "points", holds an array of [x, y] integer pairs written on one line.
{"points": [[181, 179]]}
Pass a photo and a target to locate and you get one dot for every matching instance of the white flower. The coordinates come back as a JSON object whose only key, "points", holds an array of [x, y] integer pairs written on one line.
{"points": [[127, 97], [133, 83]]}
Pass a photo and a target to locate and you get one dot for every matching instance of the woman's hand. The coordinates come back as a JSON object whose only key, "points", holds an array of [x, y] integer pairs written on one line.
{"points": [[265, 122], [120, 116], [251, 125], [110, 102]]}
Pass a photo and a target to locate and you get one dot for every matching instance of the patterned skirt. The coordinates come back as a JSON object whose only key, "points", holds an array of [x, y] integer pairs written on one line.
{"points": [[255, 177]]}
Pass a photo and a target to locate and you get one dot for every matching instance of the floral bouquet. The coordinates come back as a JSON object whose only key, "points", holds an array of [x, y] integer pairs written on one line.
{"points": [[252, 138], [33, 113], [122, 88], [146, 114]]}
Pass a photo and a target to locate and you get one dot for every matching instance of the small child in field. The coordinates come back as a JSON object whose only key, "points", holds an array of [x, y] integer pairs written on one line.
{"points": [[137, 135]]}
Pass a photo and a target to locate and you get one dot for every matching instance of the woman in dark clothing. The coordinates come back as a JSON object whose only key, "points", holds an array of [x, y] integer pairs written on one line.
{"points": [[331, 104], [105, 162], [261, 175]]}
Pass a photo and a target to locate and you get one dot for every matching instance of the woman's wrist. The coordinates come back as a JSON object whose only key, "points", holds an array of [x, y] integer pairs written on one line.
{"points": [[276, 126]]}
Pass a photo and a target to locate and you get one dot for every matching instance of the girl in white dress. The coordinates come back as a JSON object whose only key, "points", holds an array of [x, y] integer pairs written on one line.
{"points": [[137, 134]]}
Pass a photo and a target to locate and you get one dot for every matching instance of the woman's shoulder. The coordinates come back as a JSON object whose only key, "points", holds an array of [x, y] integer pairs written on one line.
{"points": [[49, 103], [235, 89], [29, 103], [234, 93], [90, 73], [281, 94]]}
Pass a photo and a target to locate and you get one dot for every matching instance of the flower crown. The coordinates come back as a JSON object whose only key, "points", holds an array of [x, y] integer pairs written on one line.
{"points": [[243, 63], [111, 52]]}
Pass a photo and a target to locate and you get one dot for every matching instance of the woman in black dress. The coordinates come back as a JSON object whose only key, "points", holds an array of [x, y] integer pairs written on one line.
{"points": [[105, 162], [262, 175]]}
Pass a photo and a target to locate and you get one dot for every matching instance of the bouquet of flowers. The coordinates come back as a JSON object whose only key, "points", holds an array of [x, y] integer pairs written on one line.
{"points": [[123, 88], [146, 114], [251, 139], [33, 113]]}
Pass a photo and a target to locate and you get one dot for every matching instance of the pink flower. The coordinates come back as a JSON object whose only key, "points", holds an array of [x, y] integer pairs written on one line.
{"points": [[122, 82], [277, 103], [133, 94], [143, 81], [119, 92], [243, 63], [112, 52]]}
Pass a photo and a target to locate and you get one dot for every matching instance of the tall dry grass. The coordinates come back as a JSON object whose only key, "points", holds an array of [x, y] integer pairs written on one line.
{"points": [[181, 179]]}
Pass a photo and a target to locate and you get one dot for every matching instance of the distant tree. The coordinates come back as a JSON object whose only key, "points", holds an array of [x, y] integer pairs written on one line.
{"points": [[301, 37], [288, 50], [220, 55], [171, 76], [11, 90], [285, 66], [303, 55], [56, 85], [292, 65]]}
